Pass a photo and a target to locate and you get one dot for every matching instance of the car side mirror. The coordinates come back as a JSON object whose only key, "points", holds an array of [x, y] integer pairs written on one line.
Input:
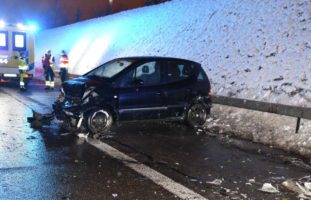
{"points": [[137, 82]]}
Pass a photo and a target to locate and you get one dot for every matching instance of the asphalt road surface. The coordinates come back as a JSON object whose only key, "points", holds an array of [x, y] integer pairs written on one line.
{"points": [[141, 160]]}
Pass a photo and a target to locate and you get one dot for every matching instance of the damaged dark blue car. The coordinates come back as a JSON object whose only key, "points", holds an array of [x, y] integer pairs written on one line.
{"points": [[135, 88]]}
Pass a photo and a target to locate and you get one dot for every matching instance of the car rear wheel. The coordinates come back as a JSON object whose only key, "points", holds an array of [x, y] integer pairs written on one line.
{"points": [[196, 115], [99, 122]]}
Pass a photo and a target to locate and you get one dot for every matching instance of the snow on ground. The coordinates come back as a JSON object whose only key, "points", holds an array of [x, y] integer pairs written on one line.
{"points": [[258, 49], [274, 130]]}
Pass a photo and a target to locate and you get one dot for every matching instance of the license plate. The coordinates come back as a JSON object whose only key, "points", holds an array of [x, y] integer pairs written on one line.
{"points": [[10, 75]]}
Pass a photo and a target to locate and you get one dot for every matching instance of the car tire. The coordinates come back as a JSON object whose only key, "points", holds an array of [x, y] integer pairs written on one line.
{"points": [[99, 122], [196, 115]]}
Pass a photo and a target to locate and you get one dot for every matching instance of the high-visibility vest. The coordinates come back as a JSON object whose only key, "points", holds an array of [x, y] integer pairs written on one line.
{"points": [[64, 62], [22, 64], [52, 63], [48, 60]]}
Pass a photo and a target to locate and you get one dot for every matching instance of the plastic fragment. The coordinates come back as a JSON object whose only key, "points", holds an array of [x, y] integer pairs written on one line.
{"points": [[269, 188], [215, 182]]}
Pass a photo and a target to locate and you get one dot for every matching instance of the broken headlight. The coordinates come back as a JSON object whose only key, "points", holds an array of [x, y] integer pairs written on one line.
{"points": [[89, 94]]}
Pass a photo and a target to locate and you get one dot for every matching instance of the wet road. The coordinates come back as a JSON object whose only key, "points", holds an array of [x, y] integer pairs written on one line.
{"points": [[48, 164]]}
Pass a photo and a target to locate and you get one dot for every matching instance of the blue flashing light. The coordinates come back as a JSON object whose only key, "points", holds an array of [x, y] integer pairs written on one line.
{"points": [[33, 27]]}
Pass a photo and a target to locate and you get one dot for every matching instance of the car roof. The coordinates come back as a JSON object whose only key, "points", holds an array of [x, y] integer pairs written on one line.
{"points": [[143, 58]]}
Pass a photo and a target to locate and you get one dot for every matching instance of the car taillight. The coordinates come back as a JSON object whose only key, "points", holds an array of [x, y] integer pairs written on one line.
{"points": [[210, 93]]}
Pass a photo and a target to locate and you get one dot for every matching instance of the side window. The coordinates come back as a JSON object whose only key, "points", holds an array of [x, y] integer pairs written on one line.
{"points": [[147, 74], [19, 41], [4, 43], [178, 71]]}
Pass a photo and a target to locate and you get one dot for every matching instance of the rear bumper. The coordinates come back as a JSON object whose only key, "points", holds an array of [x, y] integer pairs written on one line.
{"points": [[14, 77]]}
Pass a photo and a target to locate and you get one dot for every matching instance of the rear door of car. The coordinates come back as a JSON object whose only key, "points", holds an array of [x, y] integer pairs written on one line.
{"points": [[179, 84], [140, 92]]}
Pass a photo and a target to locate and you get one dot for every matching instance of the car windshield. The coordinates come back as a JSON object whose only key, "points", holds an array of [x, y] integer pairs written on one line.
{"points": [[110, 69]]}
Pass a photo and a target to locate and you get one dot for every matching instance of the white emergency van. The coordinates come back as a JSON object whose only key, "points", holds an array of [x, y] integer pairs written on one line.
{"points": [[15, 38]]}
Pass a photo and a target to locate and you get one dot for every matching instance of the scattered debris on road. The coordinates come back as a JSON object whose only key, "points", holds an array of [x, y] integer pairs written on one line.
{"points": [[38, 120], [65, 134], [302, 189], [268, 188], [244, 196], [215, 182], [252, 180], [83, 135]]}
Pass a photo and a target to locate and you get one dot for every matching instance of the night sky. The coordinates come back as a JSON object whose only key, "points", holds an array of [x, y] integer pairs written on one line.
{"points": [[52, 13]]}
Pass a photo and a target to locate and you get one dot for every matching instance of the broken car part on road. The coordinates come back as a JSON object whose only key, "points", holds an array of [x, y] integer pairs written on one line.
{"points": [[38, 120]]}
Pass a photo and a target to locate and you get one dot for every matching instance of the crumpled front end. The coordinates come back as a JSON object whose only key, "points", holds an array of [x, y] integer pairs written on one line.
{"points": [[73, 109]]}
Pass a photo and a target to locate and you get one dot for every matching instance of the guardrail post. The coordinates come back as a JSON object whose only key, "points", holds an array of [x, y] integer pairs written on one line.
{"points": [[298, 124]]}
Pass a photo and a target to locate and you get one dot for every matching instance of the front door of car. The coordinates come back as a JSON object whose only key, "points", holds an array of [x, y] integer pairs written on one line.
{"points": [[140, 93], [179, 79]]}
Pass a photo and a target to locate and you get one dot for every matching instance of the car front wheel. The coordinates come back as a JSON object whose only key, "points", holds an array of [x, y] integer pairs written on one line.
{"points": [[196, 115], [99, 122]]}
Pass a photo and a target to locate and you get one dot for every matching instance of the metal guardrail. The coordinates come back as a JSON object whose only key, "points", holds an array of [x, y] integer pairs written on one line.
{"points": [[280, 109]]}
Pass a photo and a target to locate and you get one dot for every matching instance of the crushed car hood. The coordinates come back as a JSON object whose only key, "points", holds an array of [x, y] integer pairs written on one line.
{"points": [[75, 88]]}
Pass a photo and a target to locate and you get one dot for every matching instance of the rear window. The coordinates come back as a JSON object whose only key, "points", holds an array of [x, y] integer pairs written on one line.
{"points": [[4, 40], [202, 75], [178, 71], [19, 41]]}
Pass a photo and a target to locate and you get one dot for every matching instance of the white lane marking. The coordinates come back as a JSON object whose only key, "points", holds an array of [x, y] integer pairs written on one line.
{"points": [[158, 178]]}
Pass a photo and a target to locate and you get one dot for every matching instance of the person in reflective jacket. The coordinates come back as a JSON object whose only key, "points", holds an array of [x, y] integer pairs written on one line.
{"points": [[48, 62], [23, 68], [64, 62]]}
